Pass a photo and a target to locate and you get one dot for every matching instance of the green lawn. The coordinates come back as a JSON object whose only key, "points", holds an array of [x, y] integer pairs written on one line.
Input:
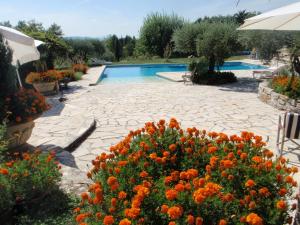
{"points": [[172, 60]]}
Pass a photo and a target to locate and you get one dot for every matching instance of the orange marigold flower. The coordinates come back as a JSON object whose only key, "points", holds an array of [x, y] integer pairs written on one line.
{"points": [[281, 205], [264, 192], [282, 192], [144, 174], [190, 220], [199, 221], [84, 196], [250, 183], [252, 205], [4, 171], [227, 163], [172, 147], [244, 156], [179, 187], [114, 202], [111, 180], [153, 156], [168, 180], [174, 212], [98, 215], [76, 210], [212, 149], [192, 173], [254, 219], [81, 217], [122, 195], [172, 223], [222, 222], [257, 159], [122, 163], [125, 222], [164, 208], [228, 197], [171, 194], [132, 213], [108, 220], [289, 179]]}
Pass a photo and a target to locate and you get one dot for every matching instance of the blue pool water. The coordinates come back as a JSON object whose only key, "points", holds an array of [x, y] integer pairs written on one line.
{"points": [[147, 72]]}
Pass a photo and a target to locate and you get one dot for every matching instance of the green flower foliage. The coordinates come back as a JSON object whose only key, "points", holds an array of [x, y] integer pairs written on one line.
{"points": [[27, 177]]}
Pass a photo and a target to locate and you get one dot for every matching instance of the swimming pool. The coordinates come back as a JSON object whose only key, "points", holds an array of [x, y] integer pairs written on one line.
{"points": [[147, 72]]}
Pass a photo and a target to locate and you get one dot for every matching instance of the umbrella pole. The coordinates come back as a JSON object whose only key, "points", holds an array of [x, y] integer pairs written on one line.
{"points": [[18, 76]]}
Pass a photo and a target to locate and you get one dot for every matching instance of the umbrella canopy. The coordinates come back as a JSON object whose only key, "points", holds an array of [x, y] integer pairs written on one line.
{"points": [[37, 43], [22, 46], [284, 18]]}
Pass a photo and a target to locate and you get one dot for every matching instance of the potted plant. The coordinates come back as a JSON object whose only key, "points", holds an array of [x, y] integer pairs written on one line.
{"points": [[20, 111], [44, 82], [66, 76]]}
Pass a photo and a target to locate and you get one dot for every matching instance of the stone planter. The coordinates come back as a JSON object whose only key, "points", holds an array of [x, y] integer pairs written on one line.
{"points": [[46, 88], [18, 134], [276, 100]]}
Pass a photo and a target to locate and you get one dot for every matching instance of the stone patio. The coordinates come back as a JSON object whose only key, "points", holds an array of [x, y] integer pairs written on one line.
{"points": [[119, 108]]}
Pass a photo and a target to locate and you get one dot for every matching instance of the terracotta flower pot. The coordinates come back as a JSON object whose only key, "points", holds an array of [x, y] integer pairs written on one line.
{"points": [[18, 134], [45, 88]]}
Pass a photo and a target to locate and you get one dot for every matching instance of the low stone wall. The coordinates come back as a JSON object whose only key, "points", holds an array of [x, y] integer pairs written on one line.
{"points": [[278, 101]]}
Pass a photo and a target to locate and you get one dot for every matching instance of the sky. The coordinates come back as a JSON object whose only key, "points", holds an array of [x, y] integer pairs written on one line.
{"points": [[99, 18]]}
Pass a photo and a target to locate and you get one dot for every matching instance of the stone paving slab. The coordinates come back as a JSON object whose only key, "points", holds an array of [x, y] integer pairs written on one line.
{"points": [[119, 108]]}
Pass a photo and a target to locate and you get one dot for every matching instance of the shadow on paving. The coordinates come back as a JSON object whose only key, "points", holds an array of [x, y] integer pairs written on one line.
{"points": [[246, 85], [63, 157], [56, 108], [57, 102]]}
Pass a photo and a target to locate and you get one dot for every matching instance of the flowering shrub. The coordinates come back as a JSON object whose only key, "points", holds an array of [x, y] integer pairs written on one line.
{"points": [[280, 85], [70, 73], [80, 68], [43, 77], [161, 174], [27, 177], [23, 106]]}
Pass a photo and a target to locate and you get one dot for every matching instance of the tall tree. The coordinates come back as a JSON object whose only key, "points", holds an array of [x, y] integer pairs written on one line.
{"points": [[242, 15], [217, 43], [114, 46], [56, 30], [156, 32]]}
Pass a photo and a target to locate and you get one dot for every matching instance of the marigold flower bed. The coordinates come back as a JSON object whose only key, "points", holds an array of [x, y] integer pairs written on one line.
{"points": [[161, 174]]}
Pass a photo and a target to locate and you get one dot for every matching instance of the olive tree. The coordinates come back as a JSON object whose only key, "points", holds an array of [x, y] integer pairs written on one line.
{"points": [[266, 43], [156, 32], [185, 38], [217, 43]]}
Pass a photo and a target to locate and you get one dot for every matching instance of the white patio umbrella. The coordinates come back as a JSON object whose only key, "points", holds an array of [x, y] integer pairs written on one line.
{"points": [[37, 43], [23, 47], [284, 18]]}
